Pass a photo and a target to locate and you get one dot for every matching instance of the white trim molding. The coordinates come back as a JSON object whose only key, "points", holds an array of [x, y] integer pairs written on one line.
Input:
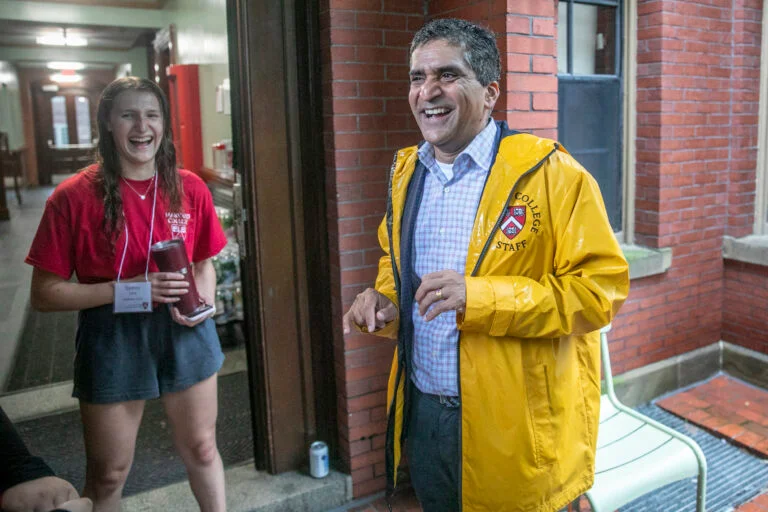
{"points": [[630, 119], [761, 174]]}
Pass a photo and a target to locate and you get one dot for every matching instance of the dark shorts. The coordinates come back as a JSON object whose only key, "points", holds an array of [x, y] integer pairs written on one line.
{"points": [[138, 356]]}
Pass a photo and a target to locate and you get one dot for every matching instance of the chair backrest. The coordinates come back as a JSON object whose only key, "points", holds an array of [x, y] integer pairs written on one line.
{"points": [[4, 142], [605, 358]]}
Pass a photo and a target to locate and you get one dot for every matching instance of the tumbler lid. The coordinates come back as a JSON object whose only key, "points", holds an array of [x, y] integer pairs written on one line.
{"points": [[166, 244]]}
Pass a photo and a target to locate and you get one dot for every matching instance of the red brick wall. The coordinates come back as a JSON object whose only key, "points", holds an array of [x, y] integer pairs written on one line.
{"points": [[745, 95], [745, 317], [364, 46], [683, 117], [698, 64], [746, 298]]}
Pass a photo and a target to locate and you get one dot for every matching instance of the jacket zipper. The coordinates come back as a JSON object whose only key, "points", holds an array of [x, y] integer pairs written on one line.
{"points": [[474, 271]]}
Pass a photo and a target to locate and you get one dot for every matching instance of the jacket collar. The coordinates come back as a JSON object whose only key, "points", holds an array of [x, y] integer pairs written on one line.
{"points": [[517, 153]]}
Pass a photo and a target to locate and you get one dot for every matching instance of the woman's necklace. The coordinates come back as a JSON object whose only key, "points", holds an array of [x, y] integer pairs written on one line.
{"points": [[144, 195]]}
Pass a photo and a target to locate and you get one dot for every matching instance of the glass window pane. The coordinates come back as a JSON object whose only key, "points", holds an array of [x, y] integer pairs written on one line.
{"points": [[59, 115], [594, 40], [562, 37], [83, 116]]}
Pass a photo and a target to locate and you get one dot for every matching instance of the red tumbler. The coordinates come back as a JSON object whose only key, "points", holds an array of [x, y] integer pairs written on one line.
{"points": [[171, 256]]}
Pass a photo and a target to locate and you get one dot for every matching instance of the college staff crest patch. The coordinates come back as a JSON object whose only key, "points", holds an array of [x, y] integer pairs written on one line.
{"points": [[513, 222]]}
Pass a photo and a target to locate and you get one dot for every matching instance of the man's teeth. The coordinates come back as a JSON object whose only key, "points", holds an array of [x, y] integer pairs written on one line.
{"points": [[435, 111]]}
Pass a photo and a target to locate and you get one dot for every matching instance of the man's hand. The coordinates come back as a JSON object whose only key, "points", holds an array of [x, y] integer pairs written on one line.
{"points": [[371, 310], [42, 494], [446, 289]]}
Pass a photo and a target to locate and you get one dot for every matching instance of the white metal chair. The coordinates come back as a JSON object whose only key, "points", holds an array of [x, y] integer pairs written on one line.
{"points": [[636, 454]]}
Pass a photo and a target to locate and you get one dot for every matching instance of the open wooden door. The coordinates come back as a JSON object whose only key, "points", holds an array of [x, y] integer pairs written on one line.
{"points": [[277, 121]]}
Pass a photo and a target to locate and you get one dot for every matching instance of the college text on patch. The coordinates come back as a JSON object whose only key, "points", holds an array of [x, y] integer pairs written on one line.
{"points": [[515, 219], [178, 223]]}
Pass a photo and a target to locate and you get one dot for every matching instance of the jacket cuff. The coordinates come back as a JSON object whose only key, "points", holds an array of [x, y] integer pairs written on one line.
{"points": [[480, 308]]}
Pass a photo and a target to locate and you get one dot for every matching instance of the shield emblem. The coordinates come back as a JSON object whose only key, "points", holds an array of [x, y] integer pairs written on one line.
{"points": [[145, 305], [513, 222]]}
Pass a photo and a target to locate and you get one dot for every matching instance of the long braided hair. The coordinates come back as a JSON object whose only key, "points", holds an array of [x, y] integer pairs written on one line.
{"points": [[109, 159]]}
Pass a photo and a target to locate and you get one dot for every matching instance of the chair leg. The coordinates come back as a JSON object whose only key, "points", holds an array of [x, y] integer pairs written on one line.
{"points": [[16, 188]]}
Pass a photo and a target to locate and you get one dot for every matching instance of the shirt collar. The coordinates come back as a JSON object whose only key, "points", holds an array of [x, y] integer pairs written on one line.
{"points": [[480, 150]]}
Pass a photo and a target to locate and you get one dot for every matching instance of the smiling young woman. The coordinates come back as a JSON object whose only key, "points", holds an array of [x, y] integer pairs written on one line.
{"points": [[99, 224]]}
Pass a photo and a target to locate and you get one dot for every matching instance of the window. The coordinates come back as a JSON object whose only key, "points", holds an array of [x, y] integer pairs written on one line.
{"points": [[83, 119], [59, 115], [591, 96], [594, 43]]}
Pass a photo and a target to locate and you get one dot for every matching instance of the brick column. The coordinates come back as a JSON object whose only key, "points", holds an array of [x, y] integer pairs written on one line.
{"points": [[683, 160], [745, 321], [364, 46]]}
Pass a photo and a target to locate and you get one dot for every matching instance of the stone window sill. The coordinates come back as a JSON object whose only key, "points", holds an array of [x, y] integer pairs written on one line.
{"points": [[644, 262], [749, 249]]}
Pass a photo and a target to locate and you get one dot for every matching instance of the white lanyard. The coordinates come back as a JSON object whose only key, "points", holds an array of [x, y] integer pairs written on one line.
{"points": [[149, 243]]}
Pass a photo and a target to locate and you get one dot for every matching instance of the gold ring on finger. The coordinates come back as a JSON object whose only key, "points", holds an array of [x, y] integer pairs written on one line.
{"points": [[439, 293]]}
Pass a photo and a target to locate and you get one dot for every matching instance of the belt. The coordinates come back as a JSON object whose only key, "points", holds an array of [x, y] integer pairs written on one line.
{"points": [[451, 402]]}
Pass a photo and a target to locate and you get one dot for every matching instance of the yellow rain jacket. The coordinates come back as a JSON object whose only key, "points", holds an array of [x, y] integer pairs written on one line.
{"points": [[529, 371]]}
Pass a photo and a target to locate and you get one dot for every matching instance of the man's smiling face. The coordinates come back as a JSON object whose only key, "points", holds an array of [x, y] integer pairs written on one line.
{"points": [[450, 105]]}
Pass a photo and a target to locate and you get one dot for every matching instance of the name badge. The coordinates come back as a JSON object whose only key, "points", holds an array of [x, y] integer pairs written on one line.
{"points": [[133, 297]]}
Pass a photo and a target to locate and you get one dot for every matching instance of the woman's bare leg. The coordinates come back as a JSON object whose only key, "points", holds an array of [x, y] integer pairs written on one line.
{"points": [[192, 414], [109, 431]]}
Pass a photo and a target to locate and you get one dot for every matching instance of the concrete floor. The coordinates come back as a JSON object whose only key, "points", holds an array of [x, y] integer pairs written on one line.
{"points": [[15, 239]]}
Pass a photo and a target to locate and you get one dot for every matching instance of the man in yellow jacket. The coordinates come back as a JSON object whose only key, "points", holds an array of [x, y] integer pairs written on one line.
{"points": [[500, 268]]}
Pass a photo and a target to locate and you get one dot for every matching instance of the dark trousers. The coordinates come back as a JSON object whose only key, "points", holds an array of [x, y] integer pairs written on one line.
{"points": [[432, 448]]}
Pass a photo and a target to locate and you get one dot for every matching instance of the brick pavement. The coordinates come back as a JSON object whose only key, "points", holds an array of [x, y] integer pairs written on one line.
{"points": [[732, 409], [727, 407]]}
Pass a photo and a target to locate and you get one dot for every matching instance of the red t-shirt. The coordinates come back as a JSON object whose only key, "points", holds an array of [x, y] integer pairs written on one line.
{"points": [[71, 238]]}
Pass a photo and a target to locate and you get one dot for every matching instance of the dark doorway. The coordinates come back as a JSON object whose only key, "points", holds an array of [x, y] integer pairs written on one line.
{"points": [[590, 93]]}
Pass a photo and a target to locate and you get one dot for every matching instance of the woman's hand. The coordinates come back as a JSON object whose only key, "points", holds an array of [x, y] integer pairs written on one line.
{"points": [[181, 319], [167, 287]]}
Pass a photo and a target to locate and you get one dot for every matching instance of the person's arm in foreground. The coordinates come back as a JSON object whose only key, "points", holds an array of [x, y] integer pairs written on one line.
{"points": [[27, 483]]}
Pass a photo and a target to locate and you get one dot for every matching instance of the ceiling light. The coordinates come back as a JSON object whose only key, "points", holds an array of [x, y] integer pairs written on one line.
{"points": [[66, 78], [74, 66], [61, 39], [76, 41], [52, 40]]}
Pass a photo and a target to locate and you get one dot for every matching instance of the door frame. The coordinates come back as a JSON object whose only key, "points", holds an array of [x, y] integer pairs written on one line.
{"points": [[277, 127], [91, 86]]}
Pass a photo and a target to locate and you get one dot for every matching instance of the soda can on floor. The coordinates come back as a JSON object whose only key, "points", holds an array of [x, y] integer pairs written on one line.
{"points": [[318, 459]]}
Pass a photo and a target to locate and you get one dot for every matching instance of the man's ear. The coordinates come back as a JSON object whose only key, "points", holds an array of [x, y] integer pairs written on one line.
{"points": [[492, 94]]}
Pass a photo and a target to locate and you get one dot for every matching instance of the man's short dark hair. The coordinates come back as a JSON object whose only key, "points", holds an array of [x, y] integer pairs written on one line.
{"points": [[478, 44]]}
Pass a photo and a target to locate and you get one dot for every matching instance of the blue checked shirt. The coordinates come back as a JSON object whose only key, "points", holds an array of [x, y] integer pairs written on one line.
{"points": [[441, 240]]}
